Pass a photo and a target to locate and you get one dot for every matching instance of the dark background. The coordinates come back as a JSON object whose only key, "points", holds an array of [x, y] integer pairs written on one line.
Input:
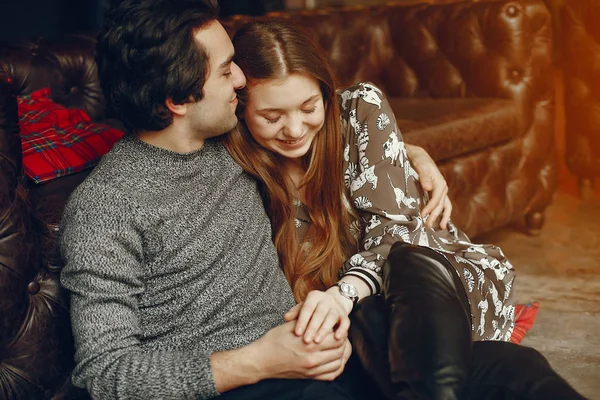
{"points": [[21, 19]]}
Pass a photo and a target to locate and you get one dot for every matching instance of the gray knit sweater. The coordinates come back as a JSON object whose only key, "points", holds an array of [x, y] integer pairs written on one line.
{"points": [[168, 259]]}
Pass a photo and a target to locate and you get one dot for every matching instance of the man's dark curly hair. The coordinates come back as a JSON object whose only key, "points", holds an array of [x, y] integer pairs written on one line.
{"points": [[146, 54]]}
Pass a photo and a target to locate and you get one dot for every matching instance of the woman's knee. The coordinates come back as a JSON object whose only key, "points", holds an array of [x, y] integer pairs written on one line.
{"points": [[409, 266]]}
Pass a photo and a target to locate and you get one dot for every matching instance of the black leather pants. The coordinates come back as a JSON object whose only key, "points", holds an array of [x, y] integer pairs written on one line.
{"points": [[415, 341]]}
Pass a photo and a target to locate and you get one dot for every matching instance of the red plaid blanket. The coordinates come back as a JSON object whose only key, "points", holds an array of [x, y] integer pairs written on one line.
{"points": [[58, 141]]}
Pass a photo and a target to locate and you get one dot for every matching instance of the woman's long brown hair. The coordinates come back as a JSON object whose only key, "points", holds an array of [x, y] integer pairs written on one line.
{"points": [[274, 50]]}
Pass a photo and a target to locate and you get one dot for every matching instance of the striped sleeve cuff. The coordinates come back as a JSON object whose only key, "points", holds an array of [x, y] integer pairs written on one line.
{"points": [[372, 280]]}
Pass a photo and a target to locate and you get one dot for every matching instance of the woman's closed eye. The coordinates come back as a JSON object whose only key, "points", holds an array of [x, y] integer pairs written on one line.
{"points": [[273, 120], [276, 119]]}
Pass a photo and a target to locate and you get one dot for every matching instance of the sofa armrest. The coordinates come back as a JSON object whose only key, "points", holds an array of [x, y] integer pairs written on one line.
{"points": [[36, 350]]}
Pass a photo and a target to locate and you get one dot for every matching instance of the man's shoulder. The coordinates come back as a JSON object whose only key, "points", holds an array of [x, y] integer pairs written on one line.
{"points": [[107, 183]]}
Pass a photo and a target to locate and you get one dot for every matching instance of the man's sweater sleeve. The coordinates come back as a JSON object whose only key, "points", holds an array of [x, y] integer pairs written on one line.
{"points": [[102, 249]]}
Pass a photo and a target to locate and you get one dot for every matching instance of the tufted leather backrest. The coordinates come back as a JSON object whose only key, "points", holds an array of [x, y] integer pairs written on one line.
{"points": [[66, 66], [442, 50], [580, 49]]}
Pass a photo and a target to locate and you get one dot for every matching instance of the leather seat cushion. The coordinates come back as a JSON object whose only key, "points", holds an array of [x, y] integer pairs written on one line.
{"points": [[448, 128], [49, 200]]}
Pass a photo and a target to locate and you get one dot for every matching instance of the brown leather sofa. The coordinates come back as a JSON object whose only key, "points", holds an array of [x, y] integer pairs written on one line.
{"points": [[470, 82], [579, 41]]}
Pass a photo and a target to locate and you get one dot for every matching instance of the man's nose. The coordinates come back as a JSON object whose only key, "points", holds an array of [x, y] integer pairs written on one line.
{"points": [[239, 80]]}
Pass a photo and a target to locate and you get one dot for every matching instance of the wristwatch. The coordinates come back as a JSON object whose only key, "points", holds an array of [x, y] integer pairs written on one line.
{"points": [[349, 291]]}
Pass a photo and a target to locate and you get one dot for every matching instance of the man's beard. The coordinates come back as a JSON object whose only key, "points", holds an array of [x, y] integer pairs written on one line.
{"points": [[224, 127]]}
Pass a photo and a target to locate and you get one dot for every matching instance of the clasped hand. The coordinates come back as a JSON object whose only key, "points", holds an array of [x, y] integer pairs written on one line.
{"points": [[286, 355], [313, 342], [321, 314]]}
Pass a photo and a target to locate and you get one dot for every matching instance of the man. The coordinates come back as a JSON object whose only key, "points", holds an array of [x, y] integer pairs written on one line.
{"points": [[175, 286]]}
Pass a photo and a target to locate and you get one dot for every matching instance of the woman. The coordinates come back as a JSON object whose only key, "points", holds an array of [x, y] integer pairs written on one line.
{"points": [[341, 195]]}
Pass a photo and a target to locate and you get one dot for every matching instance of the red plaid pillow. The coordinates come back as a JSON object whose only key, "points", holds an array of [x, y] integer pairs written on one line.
{"points": [[58, 141]]}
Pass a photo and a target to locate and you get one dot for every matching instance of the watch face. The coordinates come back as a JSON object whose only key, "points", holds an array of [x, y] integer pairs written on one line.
{"points": [[348, 290]]}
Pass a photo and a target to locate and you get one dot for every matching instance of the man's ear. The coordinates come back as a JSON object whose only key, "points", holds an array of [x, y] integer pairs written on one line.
{"points": [[177, 109]]}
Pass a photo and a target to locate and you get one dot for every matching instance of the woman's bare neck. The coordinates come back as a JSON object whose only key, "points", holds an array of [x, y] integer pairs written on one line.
{"points": [[294, 171]]}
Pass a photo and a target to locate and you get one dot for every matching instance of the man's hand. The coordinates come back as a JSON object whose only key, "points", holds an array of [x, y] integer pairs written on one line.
{"points": [[329, 376], [282, 354], [433, 182], [320, 314]]}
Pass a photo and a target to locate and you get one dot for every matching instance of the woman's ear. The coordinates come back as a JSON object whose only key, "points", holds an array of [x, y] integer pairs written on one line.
{"points": [[177, 109]]}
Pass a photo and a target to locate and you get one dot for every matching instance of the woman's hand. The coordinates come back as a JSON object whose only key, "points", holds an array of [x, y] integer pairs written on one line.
{"points": [[320, 314], [433, 182]]}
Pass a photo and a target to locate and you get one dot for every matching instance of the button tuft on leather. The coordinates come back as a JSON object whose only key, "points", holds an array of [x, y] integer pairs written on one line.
{"points": [[515, 75], [73, 90], [54, 268], [34, 50], [512, 10], [33, 287]]}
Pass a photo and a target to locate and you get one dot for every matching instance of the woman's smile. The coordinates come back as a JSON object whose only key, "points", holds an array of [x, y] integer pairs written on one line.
{"points": [[293, 143]]}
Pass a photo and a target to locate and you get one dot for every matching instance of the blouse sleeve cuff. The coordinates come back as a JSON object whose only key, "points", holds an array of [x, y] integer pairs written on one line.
{"points": [[371, 280], [367, 266]]}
